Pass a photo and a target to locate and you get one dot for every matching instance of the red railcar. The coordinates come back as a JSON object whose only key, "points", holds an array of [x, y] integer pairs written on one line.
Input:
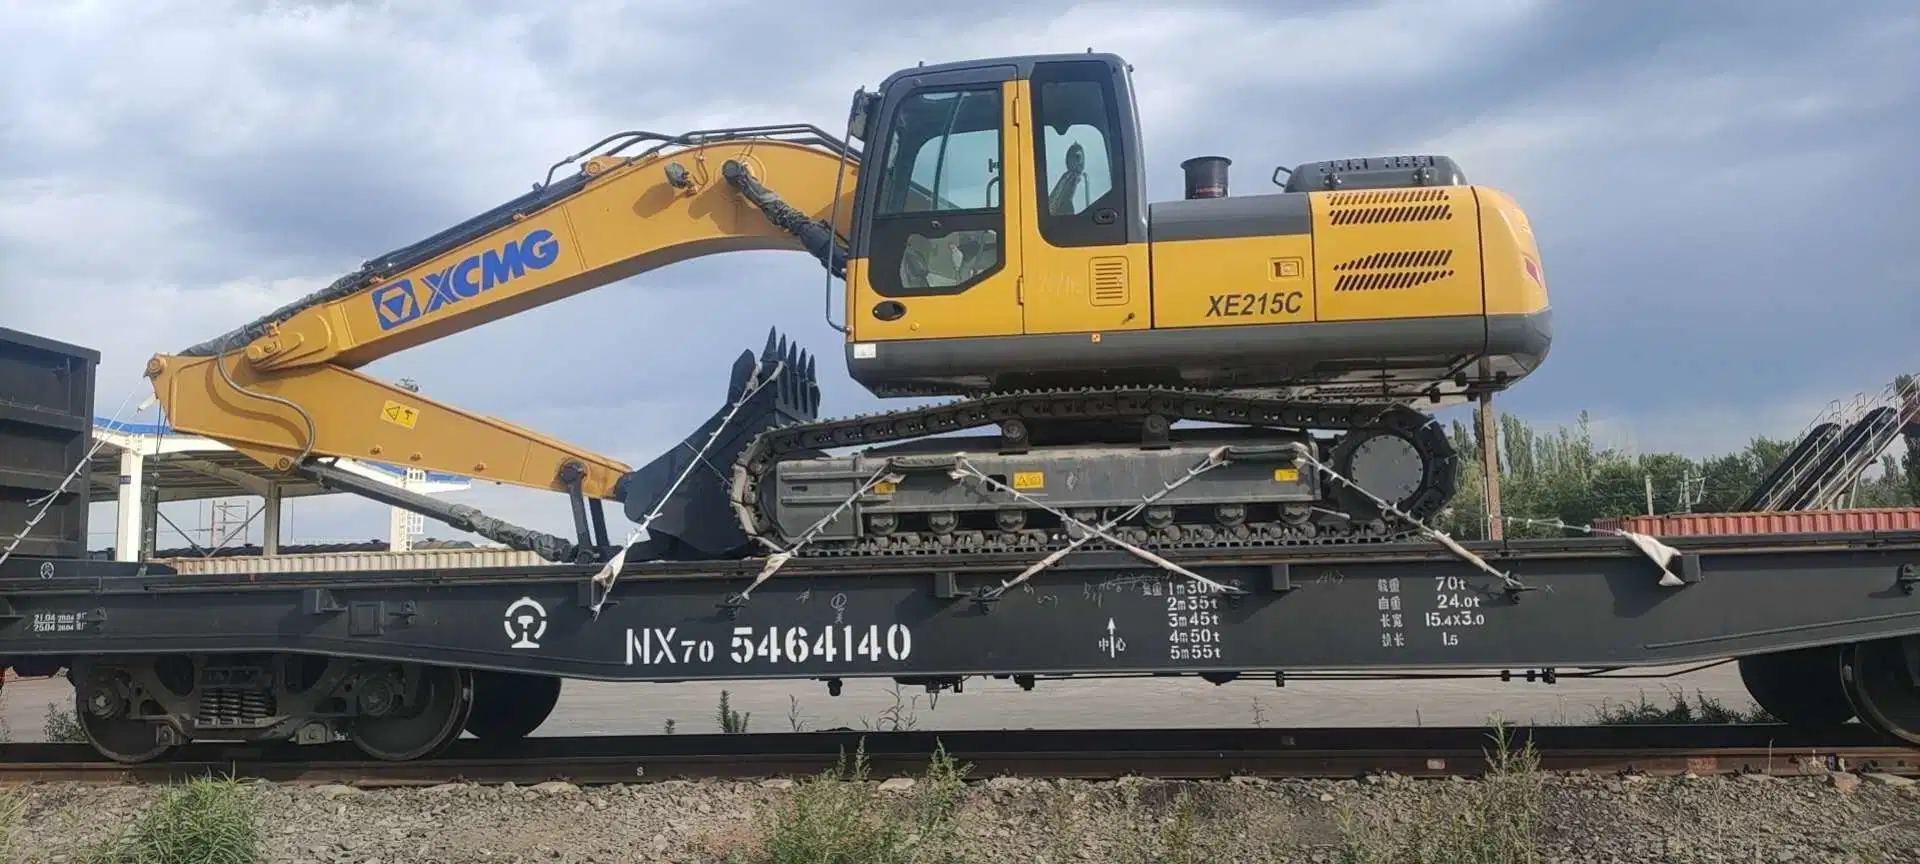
{"points": [[1775, 522]]}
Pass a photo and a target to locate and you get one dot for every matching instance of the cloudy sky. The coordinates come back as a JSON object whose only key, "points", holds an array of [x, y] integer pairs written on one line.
{"points": [[1724, 192]]}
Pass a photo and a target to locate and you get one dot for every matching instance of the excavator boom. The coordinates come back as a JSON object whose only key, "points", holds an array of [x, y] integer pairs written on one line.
{"points": [[285, 388]]}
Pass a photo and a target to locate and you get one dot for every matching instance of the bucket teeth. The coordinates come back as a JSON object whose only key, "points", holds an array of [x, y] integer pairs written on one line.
{"points": [[698, 522], [796, 392]]}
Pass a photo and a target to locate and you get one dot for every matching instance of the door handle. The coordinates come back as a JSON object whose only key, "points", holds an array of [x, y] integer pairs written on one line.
{"points": [[1104, 216]]}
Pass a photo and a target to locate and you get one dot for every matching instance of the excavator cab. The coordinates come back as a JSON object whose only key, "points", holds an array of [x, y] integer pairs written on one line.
{"points": [[996, 199]]}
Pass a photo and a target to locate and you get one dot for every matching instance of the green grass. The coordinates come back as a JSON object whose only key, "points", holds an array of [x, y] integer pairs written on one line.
{"points": [[1702, 709], [1496, 820], [199, 822], [11, 806], [841, 817], [730, 721], [61, 726]]}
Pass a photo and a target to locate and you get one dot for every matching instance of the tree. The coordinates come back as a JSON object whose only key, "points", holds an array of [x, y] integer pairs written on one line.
{"points": [[1563, 477]]}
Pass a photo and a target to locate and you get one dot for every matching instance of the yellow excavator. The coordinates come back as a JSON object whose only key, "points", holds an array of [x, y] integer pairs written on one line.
{"points": [[990, 222]]}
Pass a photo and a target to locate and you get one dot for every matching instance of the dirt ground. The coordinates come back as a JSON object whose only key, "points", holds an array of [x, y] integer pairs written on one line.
{"points": [[1378, 820]]}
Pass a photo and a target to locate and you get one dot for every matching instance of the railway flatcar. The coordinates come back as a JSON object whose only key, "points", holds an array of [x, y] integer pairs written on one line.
{"points": [[403, 661]]}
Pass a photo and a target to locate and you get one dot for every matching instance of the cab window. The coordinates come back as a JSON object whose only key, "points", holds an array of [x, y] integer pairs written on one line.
{"points": [[942, 159], [944, 153], [1077, 144], [1076, 154]]}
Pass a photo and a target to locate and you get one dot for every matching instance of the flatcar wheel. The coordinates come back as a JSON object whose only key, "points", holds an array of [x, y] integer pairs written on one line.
{"points": [[509, 705], [1802, 687], [460, 722], [1883, 682], [423, 724], [121, 739]]}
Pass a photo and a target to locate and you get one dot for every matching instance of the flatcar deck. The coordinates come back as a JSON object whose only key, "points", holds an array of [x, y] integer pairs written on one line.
{"points": [[401, 661]]}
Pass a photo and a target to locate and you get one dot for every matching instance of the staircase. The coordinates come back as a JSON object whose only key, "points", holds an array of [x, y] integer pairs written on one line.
{"points": [[1836, 449]]}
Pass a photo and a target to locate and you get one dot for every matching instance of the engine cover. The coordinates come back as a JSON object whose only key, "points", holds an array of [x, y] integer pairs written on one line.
{"points": [[1376, 172]]}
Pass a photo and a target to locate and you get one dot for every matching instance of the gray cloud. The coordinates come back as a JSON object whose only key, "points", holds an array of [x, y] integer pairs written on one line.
{"points": [[1719, 189]]}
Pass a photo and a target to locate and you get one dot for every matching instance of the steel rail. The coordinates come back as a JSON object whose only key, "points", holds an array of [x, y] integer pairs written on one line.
{"points": [[1081, 754]]}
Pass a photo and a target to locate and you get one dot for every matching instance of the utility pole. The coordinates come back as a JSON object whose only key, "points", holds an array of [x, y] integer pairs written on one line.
{"points": [[1490, 464], [1649, 479], [1693, 490]]}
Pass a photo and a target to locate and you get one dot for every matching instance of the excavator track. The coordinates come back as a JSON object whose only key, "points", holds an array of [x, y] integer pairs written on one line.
{"points": [[1342, 516]]}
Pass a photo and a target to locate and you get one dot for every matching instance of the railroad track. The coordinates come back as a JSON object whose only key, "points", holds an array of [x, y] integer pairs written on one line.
{"points": [[1085, 754]]}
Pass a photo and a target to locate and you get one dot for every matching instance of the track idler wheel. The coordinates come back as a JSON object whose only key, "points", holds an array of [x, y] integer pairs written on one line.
{"points": [[1882, 680], [416, 712], [1406, 461], [1802, 687], [511, 705]]}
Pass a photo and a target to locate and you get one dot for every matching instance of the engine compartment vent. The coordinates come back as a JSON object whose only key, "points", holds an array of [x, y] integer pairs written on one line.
{"points": [[1390, 206], [1388, 271]]}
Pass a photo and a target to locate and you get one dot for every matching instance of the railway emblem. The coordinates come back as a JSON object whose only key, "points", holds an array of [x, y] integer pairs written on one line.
{"points": [[526, 622]]}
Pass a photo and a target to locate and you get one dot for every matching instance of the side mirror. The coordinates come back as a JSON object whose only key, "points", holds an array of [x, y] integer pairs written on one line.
{"points": [[858, 118]]}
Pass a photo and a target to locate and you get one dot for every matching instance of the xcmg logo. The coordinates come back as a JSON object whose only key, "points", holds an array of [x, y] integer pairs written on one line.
{"points": [[397, 303]]}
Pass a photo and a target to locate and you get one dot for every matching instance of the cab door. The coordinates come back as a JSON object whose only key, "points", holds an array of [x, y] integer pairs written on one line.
{"points": [[1085, 250], [937, 259]]}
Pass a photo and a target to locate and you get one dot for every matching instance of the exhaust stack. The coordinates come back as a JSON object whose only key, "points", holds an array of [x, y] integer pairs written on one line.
{"points": [[1206, 176]]}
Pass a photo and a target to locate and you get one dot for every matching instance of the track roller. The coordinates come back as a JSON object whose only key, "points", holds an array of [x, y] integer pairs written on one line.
{"points": [[510, 705], [1801, 687], [1882, 680]]}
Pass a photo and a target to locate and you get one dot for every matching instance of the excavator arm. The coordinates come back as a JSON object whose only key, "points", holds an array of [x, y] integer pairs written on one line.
{"points": [[285, 388]]}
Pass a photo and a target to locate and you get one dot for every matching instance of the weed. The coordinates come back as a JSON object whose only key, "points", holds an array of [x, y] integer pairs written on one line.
{"points": [[901, 716], [1259, 713], [1494, 821], [1063, 827], [11, 806], [838, 817], [62, 726], [731, 722], [204, 821], [1179, 839], [938, 797], [1703, 709], [668, 728], [794, 720]]}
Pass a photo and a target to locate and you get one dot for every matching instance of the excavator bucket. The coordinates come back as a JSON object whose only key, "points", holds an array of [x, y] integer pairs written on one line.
{"points": [[681, 496]]}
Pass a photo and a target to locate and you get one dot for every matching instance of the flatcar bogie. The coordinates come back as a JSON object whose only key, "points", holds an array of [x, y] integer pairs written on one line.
{"points": [[140, 708]]}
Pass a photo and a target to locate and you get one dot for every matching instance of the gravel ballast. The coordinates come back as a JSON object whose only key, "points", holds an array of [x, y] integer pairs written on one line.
{"points": [[1843, 817]]}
